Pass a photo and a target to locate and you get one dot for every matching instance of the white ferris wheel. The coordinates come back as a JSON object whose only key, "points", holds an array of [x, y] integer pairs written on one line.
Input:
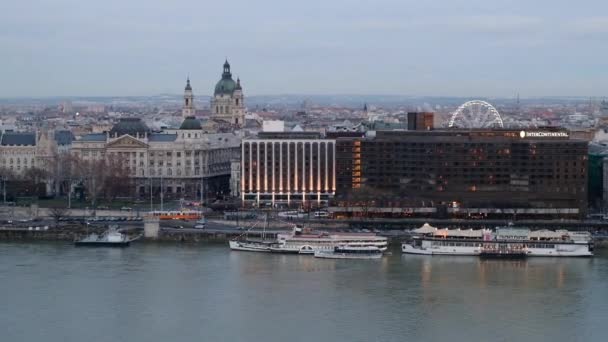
{"points": [[475, 114]]}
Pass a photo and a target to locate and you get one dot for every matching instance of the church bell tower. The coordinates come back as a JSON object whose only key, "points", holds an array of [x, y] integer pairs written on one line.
{"points": [[188, 109]]}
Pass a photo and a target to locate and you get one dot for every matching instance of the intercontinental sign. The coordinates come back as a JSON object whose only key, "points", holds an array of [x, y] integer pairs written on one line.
{"points": [[543, 134]]}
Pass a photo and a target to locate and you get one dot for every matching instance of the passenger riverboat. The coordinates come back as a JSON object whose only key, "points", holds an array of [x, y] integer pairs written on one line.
{"points": [[246, 244], [251, 245], [503, 242], [351, 252], [304, 241]]}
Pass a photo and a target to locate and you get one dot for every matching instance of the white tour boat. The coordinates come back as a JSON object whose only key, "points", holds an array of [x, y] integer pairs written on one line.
{"points": [[251, 245], [301, 241], [503, 242], [351, 252], [246, 244]]}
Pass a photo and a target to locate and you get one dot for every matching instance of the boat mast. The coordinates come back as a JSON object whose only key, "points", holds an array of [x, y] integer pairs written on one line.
{"points": [[265, 225]]}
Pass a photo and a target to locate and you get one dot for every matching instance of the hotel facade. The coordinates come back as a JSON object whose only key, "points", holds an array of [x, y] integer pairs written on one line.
{"points": [[288, 168], [500, 173]]}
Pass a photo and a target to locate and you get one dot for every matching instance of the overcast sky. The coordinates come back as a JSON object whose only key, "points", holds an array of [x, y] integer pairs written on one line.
{"points": [[402, 47]]}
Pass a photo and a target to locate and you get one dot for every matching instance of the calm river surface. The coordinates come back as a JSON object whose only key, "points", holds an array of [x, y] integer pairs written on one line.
{"points": [[148, 292]]}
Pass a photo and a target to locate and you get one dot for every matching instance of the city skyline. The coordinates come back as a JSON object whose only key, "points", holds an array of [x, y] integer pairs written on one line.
{"points": [[465, 48]]}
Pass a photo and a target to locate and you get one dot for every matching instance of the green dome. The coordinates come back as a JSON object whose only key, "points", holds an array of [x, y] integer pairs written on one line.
{"points": [[191, 123], [225, 86]]}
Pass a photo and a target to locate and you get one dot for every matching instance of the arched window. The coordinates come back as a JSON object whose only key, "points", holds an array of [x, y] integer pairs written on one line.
{"points": [[237, 102], [169, 172]]}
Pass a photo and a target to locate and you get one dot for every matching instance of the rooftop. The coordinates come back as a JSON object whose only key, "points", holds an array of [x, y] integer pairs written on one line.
{"points": [[191, 123], [162, 137], [130, 126], [64, 137], [18, 139], [94, 137]]}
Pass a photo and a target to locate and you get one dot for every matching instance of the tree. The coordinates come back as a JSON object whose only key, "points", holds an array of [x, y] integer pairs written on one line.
{"points": [[365, 197], [117, 178], [35, 176], [63, 172], [6, 175], [57, 214]]}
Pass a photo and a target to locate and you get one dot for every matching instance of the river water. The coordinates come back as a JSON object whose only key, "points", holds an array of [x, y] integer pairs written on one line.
{"points": [[162, 292]]}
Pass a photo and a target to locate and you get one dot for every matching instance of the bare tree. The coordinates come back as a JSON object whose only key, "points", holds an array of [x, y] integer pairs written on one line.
{"points": [[35, 177], [63, 172], [117, 178], [365, 197], [58, 213]]}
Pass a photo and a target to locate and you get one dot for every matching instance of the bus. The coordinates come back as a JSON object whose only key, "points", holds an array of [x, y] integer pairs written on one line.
{"points": [[178, 215]]}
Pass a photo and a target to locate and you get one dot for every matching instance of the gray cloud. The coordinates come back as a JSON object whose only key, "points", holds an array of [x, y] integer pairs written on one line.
{"points": [[458, 47]]}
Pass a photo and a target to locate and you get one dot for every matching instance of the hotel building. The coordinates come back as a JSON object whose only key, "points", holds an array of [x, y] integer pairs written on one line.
{"points": [[288, 167], [463, 173]]}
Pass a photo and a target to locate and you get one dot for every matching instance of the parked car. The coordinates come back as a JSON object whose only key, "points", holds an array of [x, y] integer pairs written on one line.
{"points": [[199, 226], [321, 214], [126, 209]]}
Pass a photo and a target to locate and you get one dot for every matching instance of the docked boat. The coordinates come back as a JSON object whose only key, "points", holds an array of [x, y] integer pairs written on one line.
{"points": [[111, 238], [246, 244], [301, 241], [505, 242], [351, 252], [251, 245]]}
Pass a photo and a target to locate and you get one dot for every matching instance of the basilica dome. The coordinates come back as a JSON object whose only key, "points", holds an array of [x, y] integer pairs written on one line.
{"points": [[226, 85]]}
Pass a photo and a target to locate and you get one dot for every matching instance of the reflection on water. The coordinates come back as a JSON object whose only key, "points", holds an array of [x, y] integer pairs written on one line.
{"points": [[205, 292]]}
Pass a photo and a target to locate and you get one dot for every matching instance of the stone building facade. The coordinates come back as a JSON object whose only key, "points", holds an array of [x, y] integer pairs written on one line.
{"points": [[181, 161]]}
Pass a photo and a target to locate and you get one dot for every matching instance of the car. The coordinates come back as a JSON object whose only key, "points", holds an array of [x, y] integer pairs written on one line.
{"points": [[103, 207], [321, 214], [126, 209], [199, 226]]}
